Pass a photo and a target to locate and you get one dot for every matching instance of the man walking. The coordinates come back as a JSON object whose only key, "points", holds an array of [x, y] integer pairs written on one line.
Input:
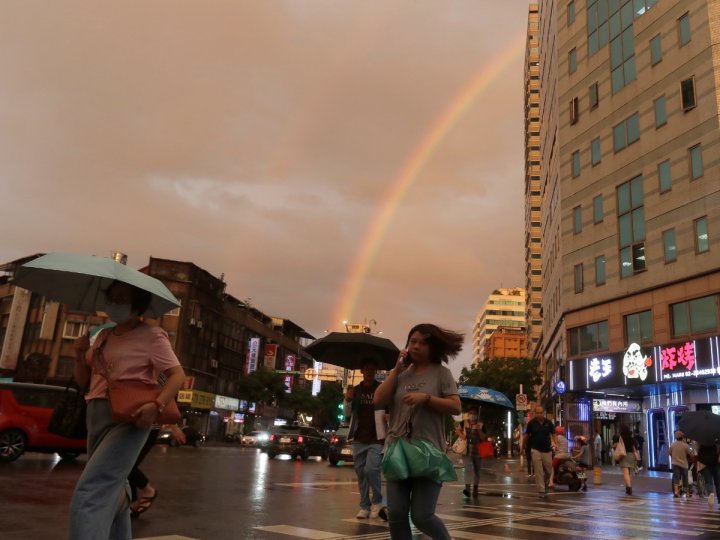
{"points": [[538, 435], [367, 431]]}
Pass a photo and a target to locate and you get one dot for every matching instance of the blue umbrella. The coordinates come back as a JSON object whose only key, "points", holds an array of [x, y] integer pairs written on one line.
{"points": [[484, 395], [80, 281]]}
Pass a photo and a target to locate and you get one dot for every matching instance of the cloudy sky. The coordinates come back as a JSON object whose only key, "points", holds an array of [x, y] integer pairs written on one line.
{"points": [[335, 159]]}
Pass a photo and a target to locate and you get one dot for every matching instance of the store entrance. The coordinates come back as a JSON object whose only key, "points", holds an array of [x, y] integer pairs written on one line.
{"points": [[608, 425]]}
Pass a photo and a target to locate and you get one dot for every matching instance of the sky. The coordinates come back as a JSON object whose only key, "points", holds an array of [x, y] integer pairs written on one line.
{"points": [[334, 159]]}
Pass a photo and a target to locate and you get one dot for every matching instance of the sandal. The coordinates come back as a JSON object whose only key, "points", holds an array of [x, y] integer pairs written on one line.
{"points": [[142, 505]]}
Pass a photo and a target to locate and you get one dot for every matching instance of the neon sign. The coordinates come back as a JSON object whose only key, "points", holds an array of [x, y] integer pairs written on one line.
{"points": [[599, 368]]}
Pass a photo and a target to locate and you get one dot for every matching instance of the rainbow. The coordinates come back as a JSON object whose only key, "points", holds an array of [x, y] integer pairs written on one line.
{"points": [[411, 169]]}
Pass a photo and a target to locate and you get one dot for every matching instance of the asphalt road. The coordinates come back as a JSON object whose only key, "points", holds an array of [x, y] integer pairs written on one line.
{"points": [[228, 492]]}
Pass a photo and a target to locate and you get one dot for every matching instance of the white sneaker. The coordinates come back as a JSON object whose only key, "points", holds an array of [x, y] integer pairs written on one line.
{"points": [[711, 500], [375, 511], [364, 513]]}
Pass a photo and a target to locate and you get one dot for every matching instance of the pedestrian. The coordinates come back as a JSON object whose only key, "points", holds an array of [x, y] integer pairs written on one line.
{"points": [[561, 453], [627, 461], [708, 459], [131, 351], [367, 432], [527, 451], [581, 454], [539, 437], [680, 454], [474, 432], [639, 441], [598, 449], [420, 390]]}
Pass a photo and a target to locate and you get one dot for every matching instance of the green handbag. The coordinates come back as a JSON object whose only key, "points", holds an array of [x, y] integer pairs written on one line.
{"points": [[410, 457]]}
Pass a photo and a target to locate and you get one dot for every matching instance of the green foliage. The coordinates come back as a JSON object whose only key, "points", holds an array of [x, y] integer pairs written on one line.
{"points": [[263, 386], [504, 375]]}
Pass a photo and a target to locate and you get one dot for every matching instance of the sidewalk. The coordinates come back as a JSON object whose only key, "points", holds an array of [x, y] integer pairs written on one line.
{"points": [[655, 481]]}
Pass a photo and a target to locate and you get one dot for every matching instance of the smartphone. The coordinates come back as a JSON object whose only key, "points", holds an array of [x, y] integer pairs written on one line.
{"points": [[407, 360]]}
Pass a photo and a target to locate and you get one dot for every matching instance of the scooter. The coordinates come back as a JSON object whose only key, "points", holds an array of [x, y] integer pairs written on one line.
{"points": [[572, 474]]}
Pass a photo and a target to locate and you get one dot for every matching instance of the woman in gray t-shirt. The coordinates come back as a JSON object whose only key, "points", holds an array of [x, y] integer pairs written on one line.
{"points": [[420, 392]]}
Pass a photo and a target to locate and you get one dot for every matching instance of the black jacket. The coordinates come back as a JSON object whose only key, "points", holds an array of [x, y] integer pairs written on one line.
{"points": [[708, 455]]}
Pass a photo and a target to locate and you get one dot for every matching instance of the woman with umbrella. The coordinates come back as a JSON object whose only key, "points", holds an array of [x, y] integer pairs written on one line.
{"points": [[420, 392], [130, 351]]}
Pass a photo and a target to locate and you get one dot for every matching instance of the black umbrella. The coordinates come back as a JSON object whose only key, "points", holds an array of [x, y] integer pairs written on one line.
{"points": [[349, 350], [701, 426]]}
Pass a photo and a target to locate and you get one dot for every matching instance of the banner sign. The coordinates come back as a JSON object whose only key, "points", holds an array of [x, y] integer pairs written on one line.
{"points": [[692, 359], [289, 367], [616, 406], [270, 355], [253, 352]]}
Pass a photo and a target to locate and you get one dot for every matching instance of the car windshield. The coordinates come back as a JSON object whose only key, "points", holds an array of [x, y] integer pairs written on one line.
{"points": [[342, 432]]}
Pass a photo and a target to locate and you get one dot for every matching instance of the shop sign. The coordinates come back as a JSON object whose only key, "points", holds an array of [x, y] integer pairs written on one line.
{"points": [[601, 415], [636, 363], [599, 368], [227, 403], [289, 368], [692, 359], [253, 352], [243, 405], [270, 355], [196, 399], [616, 406]]}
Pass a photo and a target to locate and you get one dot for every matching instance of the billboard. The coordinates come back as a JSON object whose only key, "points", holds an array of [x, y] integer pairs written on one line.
{"points": [[253, 353]]}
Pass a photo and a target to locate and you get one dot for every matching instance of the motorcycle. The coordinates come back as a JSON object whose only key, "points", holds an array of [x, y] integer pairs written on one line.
{"points": [[572, 474]]}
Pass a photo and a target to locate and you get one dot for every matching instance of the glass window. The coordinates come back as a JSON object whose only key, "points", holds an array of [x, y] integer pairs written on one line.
{"points": [[598, 209], [684, 29], [660, 112], [633, 128], [695, 316], [626, 269], [631, 227], [664, 176], [638, 327], [595, 153], [572, 61], [669, 245], [680, 319], [619, 139], [594, 97], [576, 163], [571, 13], [600, 270], [687, 94], [656, 50], [574, 111], [696, 164], [589, 338], [702, 243], [578, 278], [577, 219]]}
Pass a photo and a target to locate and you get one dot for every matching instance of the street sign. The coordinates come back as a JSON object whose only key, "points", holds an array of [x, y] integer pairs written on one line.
{"points": [[521, 402], [310, 374]]}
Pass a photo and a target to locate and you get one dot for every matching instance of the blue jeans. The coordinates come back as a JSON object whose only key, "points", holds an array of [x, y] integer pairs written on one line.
{"points": [[100, 504], [418, 497], [711, 475], [367, 458], [472, 469], [680, 473]]}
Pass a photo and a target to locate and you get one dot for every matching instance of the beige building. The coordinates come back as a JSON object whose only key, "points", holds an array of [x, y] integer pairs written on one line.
{"points": [[533, 168], [634, 89], [504, 307], [506, 342]]}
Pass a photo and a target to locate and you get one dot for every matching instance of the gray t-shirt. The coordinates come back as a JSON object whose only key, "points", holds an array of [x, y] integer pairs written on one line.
{"points": [[427, 423]]}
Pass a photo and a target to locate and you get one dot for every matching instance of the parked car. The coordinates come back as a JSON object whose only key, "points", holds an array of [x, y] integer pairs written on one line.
{"points": [[193, 437], [298, 441], [340, 448], [25, 411], [255, 438]]}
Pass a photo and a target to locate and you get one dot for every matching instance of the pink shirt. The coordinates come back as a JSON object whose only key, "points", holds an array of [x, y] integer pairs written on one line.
{"points": [[138, 355]]}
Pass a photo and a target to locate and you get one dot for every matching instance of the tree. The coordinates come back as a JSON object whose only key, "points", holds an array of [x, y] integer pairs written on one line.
{"points": [[263, 386], [504, 375]]}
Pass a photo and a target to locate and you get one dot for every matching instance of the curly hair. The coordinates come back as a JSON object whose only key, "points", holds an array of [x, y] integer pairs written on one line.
{"points": [[444, 344]]}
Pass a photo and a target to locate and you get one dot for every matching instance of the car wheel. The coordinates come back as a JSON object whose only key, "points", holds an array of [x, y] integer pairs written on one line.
{"points": [[333, 461], [68, 455], [271, 455], [172, 442], [12, 445], [304, 455], [325, 455], [198, 443]]}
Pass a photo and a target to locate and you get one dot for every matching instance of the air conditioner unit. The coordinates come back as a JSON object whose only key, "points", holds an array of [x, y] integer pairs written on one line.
{"points": [[199, 324], [213, 363], [192, 322], [212, 345]]}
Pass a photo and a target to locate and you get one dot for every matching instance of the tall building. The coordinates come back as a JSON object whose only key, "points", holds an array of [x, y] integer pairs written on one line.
{"points": [[533, 168], [504, 307], [638, 200], [506, 342]]}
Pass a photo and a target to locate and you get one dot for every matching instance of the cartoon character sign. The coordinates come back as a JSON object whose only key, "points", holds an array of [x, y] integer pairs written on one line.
{"points": [[635, 364]]}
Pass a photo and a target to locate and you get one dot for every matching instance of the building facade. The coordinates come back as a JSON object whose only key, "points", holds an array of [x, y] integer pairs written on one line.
{"points": [[504, 307], [506, 342], [636, 340]]}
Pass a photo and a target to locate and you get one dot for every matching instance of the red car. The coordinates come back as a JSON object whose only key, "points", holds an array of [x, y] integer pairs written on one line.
{"points": [[25, 411]]}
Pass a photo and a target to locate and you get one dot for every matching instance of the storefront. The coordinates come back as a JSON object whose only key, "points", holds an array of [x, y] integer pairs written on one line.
{"points": [[223, 420], [195, 406], [648, 389]]}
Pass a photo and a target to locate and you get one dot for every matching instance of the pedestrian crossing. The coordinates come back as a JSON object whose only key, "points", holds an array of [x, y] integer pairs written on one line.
{"points": [[602, 515]]}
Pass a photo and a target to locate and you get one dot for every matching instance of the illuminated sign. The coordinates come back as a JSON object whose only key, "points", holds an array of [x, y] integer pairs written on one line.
{"points": [[560, 387], [635, 363], [599, 368], [289, 367], [253, 352], [227, 403], [197, 399], [616, 406]]}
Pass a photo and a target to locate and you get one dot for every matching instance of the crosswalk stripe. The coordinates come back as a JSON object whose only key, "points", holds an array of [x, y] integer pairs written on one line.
{"points": [[565, 532], [626, 525], [475, 536], [301, 532], [169, 537]]}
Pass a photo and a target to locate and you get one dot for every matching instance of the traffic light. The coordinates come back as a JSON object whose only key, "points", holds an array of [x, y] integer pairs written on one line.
{"points": [[341, 412]]}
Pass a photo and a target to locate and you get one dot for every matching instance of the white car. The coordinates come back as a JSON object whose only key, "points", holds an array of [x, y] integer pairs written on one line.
{"points": [[254, 438]]}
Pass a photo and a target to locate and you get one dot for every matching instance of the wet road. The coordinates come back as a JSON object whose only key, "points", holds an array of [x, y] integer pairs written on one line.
{"points": [[234, 493]]}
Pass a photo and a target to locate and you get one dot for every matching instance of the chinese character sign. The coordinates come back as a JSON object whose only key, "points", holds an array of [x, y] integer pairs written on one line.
{"points": [[599, 368], [253, 349]]}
